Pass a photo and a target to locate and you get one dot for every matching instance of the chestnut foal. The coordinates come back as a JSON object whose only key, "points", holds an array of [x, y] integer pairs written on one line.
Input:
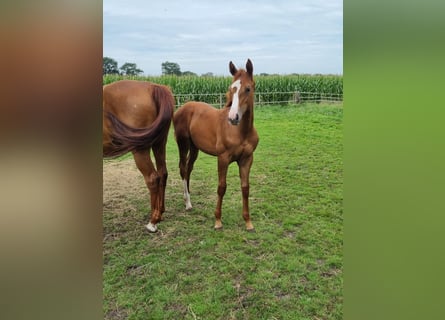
{"points": [[227, 133]]}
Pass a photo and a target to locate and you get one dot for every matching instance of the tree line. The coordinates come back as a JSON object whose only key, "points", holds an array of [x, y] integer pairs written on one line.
{"points": [[110, 66]]}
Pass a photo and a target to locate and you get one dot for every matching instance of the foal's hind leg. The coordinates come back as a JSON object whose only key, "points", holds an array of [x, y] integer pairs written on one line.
{"points": [[184, 147], [152, 180], [187, 156]]}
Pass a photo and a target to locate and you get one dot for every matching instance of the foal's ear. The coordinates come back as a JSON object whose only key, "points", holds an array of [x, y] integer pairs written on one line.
{"points": [[232, 68], [249, 67]]}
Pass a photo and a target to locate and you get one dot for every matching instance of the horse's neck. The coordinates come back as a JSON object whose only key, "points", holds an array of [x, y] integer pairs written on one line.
{"points": [[246, 125]]}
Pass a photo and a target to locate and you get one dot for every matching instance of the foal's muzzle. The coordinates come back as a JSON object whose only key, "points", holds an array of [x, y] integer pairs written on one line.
{"points": [[235, 121]]}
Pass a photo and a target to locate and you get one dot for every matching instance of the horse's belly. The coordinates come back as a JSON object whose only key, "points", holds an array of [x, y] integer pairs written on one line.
{"points": [[203, 135], [198, 121], [206, 145]]}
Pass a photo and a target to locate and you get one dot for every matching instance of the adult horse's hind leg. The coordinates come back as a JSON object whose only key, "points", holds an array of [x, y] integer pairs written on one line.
{"points": [[161, 168], [152, 180]]}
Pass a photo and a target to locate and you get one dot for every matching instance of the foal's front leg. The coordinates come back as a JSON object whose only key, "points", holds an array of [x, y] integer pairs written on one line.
{"points": [[244, 172], [223, 164]]}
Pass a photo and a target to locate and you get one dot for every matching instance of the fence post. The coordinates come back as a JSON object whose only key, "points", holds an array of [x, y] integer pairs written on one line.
{"points": [[178, 101], [297, 97]]}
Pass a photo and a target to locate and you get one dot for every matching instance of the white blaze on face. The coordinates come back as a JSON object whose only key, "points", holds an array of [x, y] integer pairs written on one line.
{"points": [[234, 110]]}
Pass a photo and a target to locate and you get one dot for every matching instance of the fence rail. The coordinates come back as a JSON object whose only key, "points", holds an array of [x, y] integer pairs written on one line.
{"points": [[266, 98]]}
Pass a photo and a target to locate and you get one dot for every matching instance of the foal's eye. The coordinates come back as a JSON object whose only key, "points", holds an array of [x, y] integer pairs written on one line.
{"points": [[248, 89]]}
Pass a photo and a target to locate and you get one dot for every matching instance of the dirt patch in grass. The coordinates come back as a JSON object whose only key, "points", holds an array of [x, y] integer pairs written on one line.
{"points": [[117, 314], [122, 182]]}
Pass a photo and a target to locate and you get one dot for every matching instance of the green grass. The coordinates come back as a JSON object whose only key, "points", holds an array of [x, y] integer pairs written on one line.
{"points": [[291, 268]]}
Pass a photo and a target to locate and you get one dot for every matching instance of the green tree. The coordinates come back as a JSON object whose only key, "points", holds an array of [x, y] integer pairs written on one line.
{"points": [[188, 73], [109, 66], [171, 68], [130, 69]]}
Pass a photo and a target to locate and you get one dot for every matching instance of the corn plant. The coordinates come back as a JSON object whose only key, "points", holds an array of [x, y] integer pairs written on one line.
{"points": [[269, 88]]}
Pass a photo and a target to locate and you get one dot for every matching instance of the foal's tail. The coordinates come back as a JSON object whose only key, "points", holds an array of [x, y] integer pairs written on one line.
{"points": [[126, 138]]}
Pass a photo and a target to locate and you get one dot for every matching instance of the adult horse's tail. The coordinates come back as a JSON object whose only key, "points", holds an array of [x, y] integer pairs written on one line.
{"points": [[126, 138]]}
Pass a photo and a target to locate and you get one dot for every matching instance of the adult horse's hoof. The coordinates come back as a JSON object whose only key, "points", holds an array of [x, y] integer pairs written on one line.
{"points": [[218, 226], [152, 228]]}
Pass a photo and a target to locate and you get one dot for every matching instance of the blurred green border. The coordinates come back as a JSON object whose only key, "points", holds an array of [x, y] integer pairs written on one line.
{"points": [[394, 58]]}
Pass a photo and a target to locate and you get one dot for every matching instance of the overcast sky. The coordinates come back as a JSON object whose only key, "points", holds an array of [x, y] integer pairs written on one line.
{"points": [[287, 36]]}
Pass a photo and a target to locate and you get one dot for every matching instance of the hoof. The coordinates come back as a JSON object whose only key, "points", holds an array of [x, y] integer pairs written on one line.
{"points": [[218, 224], [188, 208], [252, 230], [152, 228], [219, 228]]}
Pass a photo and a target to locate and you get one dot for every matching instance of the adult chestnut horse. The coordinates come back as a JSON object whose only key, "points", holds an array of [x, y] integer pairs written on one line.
{"points": [[136, 117], [228, 134]]}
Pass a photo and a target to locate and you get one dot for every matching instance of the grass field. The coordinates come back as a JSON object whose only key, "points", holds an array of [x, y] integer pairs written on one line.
{"points": [[290, 268]]}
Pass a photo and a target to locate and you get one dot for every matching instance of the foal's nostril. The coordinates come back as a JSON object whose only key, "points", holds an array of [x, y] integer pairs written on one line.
{"points": [[234, 121]]}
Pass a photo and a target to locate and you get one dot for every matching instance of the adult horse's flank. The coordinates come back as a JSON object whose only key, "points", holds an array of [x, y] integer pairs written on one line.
{"points": [[136, 117], [228, 134]]}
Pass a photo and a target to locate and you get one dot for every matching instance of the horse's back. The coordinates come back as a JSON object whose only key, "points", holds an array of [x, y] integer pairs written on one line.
{"points": [[131, 101], [193, 112], [196, 109], [136, 114]]}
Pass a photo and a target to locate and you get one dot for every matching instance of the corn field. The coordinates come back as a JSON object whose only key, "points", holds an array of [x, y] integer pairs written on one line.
{"points": [[270, 89]]}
